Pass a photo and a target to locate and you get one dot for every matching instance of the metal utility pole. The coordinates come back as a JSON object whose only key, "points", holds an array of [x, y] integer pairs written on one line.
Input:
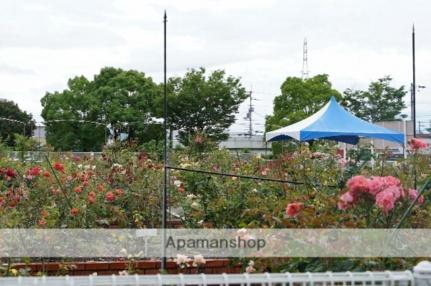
{"points": [[304, 72], [250, 119], [413, 87], [165, 149]]}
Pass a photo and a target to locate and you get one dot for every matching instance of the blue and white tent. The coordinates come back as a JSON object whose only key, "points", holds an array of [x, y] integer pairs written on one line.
{"points": [[333, 122]]}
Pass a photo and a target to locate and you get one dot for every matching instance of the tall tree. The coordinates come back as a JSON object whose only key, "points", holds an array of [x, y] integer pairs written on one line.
{"points": [[14, 121], [381, 102], [204, 104], [79, 117], [299, 99]]}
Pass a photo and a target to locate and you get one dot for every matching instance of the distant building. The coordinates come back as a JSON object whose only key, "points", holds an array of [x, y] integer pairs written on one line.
{"points": [[39, 134]]}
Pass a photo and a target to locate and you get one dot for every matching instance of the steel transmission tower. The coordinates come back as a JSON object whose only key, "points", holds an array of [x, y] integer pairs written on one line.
{"points": [[304, 60], [249, 116]]}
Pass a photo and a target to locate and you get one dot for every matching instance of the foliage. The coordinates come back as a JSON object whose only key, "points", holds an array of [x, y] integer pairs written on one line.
{"points": [[78, 117], [299, 99], [203, 104], [10, 110], [381, 102]]}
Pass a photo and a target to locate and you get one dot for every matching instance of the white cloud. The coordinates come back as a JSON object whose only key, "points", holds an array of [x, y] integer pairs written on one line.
{"points": [[46, 42]]}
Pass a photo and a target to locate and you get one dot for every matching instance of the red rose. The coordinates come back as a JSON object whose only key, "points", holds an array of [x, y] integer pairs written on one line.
{"points": [[10, 173], [74, 211], [78, 190], [110, 197], [293, 209], [34, 171], [46, 174], [59, 167], [91, 197]]}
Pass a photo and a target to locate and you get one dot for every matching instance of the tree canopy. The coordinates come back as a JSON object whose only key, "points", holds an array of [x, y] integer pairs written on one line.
{"points": [[380, 102], [204, 104], [299, 99], [10, 114], [79, 117]]}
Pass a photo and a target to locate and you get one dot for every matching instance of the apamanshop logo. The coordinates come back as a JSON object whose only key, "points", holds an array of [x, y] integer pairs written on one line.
{"points": [[236, 243]]}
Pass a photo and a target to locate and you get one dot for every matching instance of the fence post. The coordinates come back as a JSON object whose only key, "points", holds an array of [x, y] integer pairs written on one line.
{"points": [[422, 273]]}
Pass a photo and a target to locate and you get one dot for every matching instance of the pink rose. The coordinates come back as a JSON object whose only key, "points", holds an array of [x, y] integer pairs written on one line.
{"points": [[413, 194], [417, 144], [357, 184], [293, 209], [385, 200]]}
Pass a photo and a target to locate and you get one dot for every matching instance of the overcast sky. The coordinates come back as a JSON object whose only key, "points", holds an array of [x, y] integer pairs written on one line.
{"points": [[43, 43]]}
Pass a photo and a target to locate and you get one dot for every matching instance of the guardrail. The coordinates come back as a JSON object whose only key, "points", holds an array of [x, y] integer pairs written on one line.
{"points": [[420, 276]]}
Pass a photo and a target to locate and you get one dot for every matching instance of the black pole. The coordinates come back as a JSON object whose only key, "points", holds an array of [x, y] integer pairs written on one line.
{"points": [[165, 150], [413, 103]]}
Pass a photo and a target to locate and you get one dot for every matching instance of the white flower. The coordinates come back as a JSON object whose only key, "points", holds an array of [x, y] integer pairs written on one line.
{"points": [[195, 205], [251, 263], [198, 260], [177, 183], [93, 167], [181, 260], [191, 196], [250, 269], [254, 190], [79, 166]]}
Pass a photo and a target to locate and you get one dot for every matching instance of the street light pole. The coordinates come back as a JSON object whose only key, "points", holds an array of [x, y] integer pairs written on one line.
{"points": [[413, 91]]}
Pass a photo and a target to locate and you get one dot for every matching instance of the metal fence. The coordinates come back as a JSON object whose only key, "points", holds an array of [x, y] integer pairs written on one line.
{"points": [[401, 278]]}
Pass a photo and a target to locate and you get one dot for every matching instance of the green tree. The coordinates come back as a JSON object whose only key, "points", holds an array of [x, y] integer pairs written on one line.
{"points": [[201, 104], [79, 117], [299, 99], [380, 102], [14, 121]]}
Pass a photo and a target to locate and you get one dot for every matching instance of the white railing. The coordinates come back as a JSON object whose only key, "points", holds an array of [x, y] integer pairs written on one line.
{"points": [[421, 276], [404, 278]]}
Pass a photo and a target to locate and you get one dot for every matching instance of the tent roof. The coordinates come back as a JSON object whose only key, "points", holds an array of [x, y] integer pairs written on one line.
{"points": [[333, 122]]}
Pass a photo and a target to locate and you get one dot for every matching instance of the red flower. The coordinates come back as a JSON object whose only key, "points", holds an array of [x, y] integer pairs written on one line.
{"points": [[91, 197], [110, 197], [34, 171], [417, 144], [59, 167], [293, 209], [78, 190], [74, 211], [46, 174], [10, 173], [41, 222], [100, 188], [181, 189]]}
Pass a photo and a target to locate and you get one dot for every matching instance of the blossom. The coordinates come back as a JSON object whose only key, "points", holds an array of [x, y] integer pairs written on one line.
{"points": [[78, 190], [357, 184], [181, 189], [396, 191], [110, 197], [198, 260], [413, 194], [385, 200], [74, 211], [346, 200], [59, 167], [91, 197], [376, 185], [250, 267], [41, 222], [293, 209], [34, 171], [392, 181], [46, 174], [181, 260], [177, 183], [10, 173], [417, 144]]}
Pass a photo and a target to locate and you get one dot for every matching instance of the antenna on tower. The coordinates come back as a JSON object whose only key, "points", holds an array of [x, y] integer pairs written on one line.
{"points": [[249, 115], [304, 60]]}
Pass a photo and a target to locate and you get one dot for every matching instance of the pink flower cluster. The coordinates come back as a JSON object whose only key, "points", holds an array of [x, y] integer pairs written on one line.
{"points": [[417, 144], [386, 191]]}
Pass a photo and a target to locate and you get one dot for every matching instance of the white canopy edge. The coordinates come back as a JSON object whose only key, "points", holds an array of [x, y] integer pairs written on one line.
{"points": [[294, 130]]}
